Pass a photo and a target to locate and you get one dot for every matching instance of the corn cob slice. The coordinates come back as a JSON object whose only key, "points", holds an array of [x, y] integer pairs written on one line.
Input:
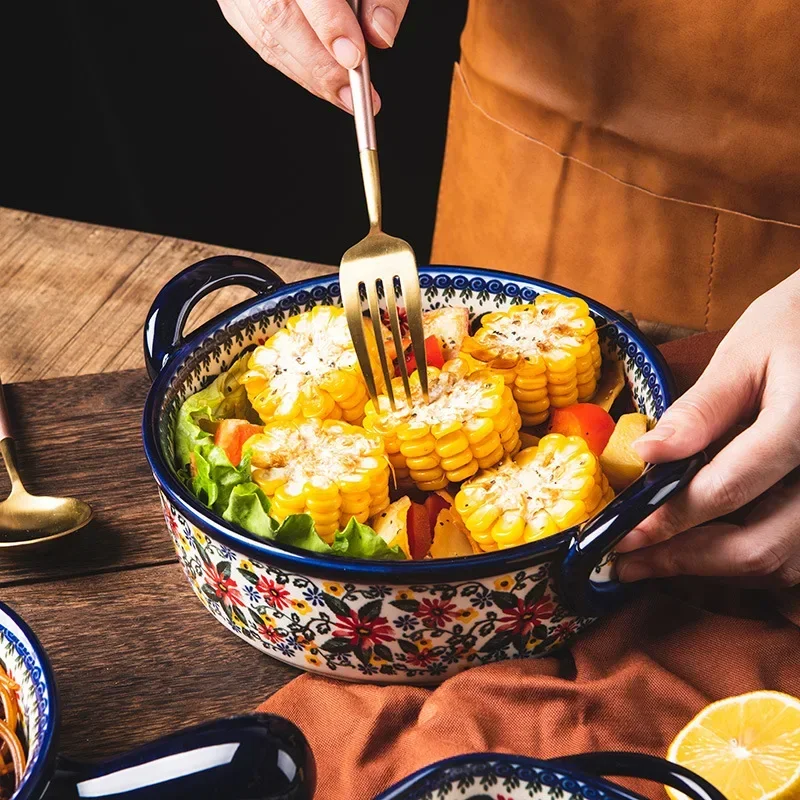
{"points": [[328, 469], [544, 490], [309, 369], [547, 351], [471, 423]]}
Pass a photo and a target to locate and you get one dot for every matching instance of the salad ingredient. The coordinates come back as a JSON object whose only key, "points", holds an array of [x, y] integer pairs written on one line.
{"points": [[450, 539], [232, 434], [548, 351], [610, 385], [328, 469], [309, 369], [471, 423], [544, 490], [433, 355], [528, 439], [747, 746], [621, 464], [420, 531], [434, 505], [391, 525], [450, 326], [586, 420]]}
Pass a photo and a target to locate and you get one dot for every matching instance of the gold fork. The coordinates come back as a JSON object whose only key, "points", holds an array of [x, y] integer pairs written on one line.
{"points": [[379, 259]]}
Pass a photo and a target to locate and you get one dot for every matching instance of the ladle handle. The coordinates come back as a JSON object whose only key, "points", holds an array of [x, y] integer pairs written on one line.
{"points": [[5, 422]]}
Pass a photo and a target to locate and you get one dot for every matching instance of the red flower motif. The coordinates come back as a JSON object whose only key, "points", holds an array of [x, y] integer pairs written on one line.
{"points": [[275, 595], [422, 658], [566, 628], [269, 632], [436, 613], [363, 633], [524, 618], [224, 589]]}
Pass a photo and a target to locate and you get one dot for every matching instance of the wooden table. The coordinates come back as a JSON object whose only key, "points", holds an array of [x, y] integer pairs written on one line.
{"points": [[135, 654]]}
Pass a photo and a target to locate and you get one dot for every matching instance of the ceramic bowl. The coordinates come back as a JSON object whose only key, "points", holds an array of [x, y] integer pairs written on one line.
{"points": [[498, 776], [411, 622], [258, 755]]}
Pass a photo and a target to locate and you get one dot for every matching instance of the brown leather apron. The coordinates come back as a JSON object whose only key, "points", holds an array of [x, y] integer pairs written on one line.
{"points": [[643, 152]]}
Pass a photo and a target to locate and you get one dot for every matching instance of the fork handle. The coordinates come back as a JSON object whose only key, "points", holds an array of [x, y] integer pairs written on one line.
{"points": [[364, 115]]}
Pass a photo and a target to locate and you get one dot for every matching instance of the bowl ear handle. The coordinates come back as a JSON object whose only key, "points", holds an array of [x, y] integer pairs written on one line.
{"points": [[639, 765], [594, 540], [257, 755], [163, 329]]}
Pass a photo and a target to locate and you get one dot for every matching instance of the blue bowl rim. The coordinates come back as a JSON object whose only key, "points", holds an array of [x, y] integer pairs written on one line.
{"points": [[42, 765], [445, 570], [409, 788]]}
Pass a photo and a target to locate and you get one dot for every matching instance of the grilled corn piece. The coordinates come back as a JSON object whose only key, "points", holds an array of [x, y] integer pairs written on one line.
{"points": [[548, 353], [544, 490], [309, 369], [328, 469], [471, 423]]}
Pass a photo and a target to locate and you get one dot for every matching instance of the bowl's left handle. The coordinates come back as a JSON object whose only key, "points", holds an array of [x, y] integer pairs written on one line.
{"points": [[253, 757], [163, 329], [582, 589], [639, 765]]}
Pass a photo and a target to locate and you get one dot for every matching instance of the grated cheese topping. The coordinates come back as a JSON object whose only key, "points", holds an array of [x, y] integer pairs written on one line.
{"points": [[532, 332], [536, 485], [298, 452], [295, 358], [451, 399]]}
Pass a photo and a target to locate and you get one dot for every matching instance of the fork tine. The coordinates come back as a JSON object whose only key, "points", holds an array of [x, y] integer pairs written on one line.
{"points": [[394, 322], [351, 300], [409, 282], [375, 315]]}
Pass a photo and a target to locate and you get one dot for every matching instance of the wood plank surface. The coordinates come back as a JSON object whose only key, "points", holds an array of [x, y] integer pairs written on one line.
{"points": [[136, 656], [74, 295], [81, 437]]}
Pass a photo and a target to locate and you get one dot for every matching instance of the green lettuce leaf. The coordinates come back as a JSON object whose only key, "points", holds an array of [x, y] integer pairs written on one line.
{"points": [[248, 506], [360, 541], [299, 530]]}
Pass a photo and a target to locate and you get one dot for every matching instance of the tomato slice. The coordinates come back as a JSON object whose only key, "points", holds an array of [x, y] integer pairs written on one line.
{"points": [[433, 355], [435, 503], [420, 531], [587, 420], [231, 436]]}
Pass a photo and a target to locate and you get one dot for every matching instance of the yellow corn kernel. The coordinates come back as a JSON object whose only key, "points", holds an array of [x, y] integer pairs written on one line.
{"points": [[308, 369], [331, 470], [546, 489], [550, 346], [471, 422]]}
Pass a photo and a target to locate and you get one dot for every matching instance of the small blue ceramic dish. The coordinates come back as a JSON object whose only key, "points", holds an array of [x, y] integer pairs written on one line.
{"points": [[497, 776], [242, 758], [414, 621]]}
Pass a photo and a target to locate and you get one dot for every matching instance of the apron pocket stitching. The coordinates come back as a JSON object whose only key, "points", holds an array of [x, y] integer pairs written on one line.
{"points": [[711, 271]]}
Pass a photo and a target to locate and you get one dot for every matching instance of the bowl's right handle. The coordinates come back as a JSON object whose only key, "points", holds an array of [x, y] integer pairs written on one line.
{"points": [[163, 329], [639, 765], [252, 757], [598, 537]]}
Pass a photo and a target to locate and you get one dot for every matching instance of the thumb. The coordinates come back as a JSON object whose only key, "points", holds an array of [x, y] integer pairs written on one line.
{"points": [[715, 403]]}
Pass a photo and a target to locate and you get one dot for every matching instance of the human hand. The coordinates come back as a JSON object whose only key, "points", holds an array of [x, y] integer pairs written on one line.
{"points": [[315, 42], [754, 377]]}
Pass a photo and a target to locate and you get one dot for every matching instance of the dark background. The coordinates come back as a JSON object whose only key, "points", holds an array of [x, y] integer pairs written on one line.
{"points": [[155, 115]]}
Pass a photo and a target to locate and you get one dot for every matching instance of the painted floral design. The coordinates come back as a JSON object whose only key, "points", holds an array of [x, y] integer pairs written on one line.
{"points": [[421, 632]]}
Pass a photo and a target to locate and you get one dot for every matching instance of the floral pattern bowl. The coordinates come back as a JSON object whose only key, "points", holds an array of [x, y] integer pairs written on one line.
{"points": [[497, 776], [411, 622]]}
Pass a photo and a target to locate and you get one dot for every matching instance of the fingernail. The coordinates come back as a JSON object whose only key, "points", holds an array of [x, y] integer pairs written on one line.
{"points": [[635, 540], [346, 53], [630, 571], [346, 96], [659, 434], [385, 24]]}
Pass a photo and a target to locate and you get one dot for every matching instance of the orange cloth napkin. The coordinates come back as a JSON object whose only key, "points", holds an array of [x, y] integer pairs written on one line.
{"points": [[630, 683]]}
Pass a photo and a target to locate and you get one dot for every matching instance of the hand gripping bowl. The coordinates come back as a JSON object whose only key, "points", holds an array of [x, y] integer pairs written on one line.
{"points": [[254, 757], [413, 621]]}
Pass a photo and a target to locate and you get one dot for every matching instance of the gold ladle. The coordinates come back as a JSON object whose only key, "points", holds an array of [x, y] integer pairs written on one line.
{"points": [[25, 518]]}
